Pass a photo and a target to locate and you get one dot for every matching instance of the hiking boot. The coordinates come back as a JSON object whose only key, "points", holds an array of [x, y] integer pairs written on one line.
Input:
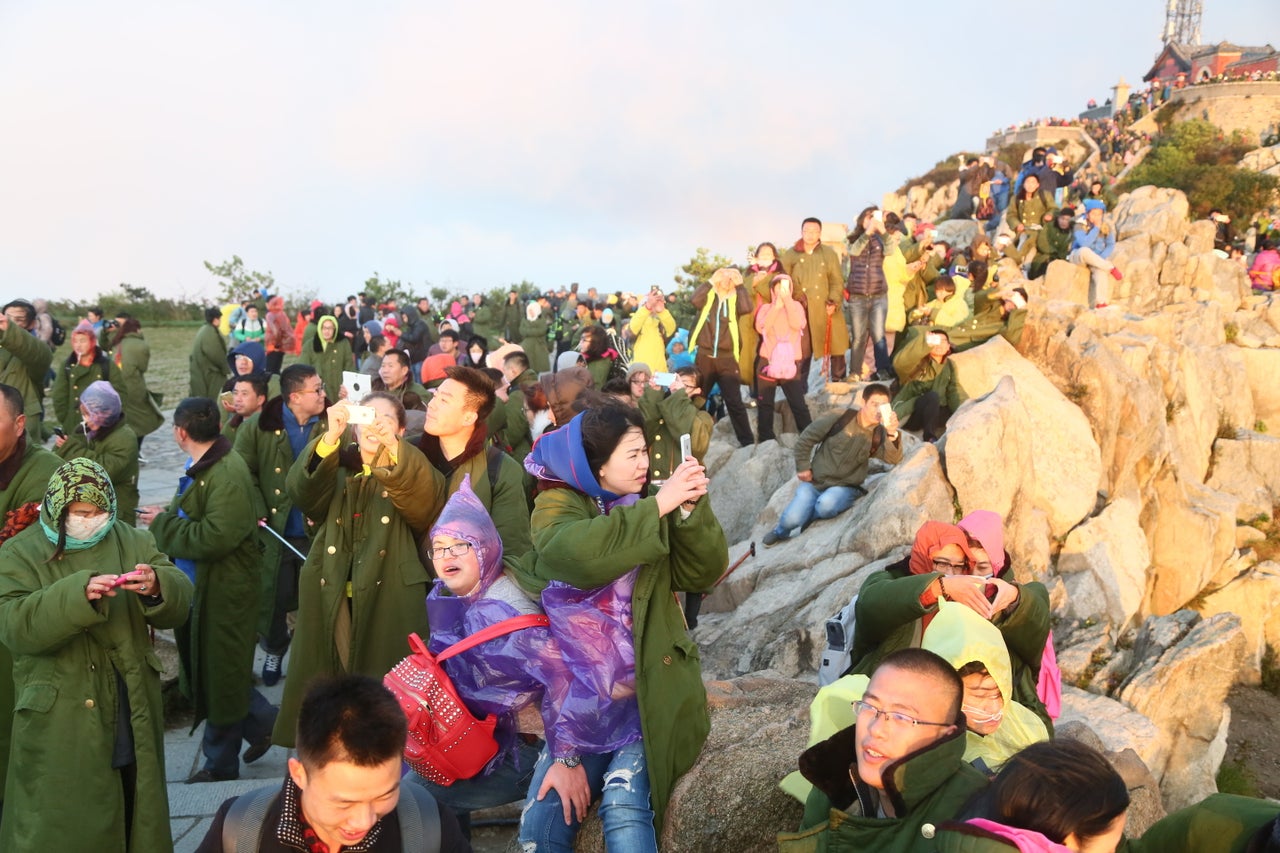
{"points": [[271, 670], [257, 749], [772, 538]]}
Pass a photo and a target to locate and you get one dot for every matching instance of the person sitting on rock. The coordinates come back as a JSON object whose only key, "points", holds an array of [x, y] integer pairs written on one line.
{"points": [[995, 312], [1092, 246], [896, 605], [1054, 242], [949, 307], [880, 783], [930, 391], [833, 455], [1265, 270]]}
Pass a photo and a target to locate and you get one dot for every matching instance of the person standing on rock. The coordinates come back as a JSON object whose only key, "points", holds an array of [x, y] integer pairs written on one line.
{"points": [[717, 335], [832, 458], [868, 306], [1092, 246], [885, 782], [815, 269]]}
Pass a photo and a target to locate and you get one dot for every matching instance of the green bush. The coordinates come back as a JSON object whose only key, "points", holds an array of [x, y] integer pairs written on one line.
{"points": [[1199, 159]]}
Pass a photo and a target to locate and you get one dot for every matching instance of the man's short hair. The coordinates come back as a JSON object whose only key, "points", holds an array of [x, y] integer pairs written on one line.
{"points": [[376, 344], [349, 718], [690, 371], [450, 333], [479, 397], [27, 308], [398, 355], [925, 662], [198, 416], [294, 377], [515, 360], [257, 380], [873, 389], [13, 401], [811, 219]]}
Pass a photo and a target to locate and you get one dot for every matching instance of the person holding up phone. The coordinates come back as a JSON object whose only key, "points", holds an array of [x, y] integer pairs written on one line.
{"points": [[930, 390], [79, 594], [780, 322]]}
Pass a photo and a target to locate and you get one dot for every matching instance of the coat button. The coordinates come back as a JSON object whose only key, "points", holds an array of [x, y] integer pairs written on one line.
{"points": [[93, 667], [384, 493], [277, 470], [273, 510], [202, 482], [277, 491], [666, 659], [332, 549], [88, 703], [382, 553], [657, 456], [658, 437], [322, 581], [927, 830], [386, 519]]}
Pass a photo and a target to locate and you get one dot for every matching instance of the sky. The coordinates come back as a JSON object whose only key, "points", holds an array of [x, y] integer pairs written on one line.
{"points": [[471, 145]]}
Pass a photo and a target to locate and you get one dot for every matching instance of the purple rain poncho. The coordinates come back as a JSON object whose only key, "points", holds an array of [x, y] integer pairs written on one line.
{"points": [[594, 627]]}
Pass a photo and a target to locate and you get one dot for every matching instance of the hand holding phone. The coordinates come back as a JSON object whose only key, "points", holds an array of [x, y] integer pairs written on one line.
{"points": [[128, 577], [686, 447], [360, 414]]}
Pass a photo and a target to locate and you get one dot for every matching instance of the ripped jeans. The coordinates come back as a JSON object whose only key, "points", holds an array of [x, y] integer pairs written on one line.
{"points": [[619, 780]]}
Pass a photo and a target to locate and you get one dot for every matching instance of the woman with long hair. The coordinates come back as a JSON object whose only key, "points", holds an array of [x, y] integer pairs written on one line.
{"points": [[79, 594], [868, 304], [596, 355], [606, 561]]}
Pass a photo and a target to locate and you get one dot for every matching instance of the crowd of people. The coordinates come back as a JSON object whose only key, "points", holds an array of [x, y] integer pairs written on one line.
{"points": [[362, 473]]}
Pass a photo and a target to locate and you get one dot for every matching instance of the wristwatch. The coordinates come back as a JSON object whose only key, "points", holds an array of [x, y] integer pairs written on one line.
{"points": [[570, 762]]}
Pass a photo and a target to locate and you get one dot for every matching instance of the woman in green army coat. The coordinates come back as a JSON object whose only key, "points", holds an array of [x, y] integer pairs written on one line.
{"points": [[131, 356], [86, 364], [329, 353], [103, 436], [79, 593]]}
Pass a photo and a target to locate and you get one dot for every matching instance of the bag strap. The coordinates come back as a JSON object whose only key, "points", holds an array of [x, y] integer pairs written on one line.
{"points": [[841, 423], [242, 826], [498, 629], [419, 818]]}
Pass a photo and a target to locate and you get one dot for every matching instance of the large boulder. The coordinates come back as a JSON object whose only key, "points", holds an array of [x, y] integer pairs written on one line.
{"points": [[1182, 688], [1248, 467], [770, 614], [1145, 807], [1191, 529], [1262, 366], [1117, 725], [1255, 598], [1159, 213], [1066, 281], [1104, 563], [743, 484], [1065, 464]]}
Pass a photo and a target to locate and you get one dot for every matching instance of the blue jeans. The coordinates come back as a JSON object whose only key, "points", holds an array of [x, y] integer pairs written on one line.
{"points": [[866, 317], [508, 783], [810, 502], [620, 780], [221, 744]]}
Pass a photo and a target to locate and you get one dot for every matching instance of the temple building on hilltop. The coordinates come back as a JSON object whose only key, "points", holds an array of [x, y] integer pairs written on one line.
{"points": [[1193, 63]]}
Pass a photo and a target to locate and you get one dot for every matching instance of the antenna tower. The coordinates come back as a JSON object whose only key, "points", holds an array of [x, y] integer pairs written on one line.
{"points": [[1182, 22]]}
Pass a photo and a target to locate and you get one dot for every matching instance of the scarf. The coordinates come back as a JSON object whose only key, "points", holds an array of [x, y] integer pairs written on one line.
{"points": [[80, 480]]}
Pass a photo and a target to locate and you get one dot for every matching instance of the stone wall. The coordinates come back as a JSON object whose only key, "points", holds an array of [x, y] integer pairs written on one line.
{"points": [[1250, 107]]}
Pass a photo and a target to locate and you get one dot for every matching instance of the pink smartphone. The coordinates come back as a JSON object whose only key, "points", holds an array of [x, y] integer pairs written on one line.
{"points": [[128, 577]]}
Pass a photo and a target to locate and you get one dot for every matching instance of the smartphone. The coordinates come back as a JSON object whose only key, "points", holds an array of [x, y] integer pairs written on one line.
{"points": [[932, 339], [360, 414], [686, 447], [885, 411], [128, 577], [59, 432], [665, 379], [357, 385], [877, 215], [1018, 301]]}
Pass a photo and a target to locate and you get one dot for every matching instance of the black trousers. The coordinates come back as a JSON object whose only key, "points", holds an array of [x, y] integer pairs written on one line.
{"points": [[276, 642], [725, 371], [929, 416], [793, 390]]}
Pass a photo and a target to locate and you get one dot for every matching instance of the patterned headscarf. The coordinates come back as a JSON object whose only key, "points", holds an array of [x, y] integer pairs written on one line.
{"points": [[82, 480]]}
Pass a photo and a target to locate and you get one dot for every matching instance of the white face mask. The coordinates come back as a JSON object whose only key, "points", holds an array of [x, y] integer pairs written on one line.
{"points": [[983, 716], [82, 528]]}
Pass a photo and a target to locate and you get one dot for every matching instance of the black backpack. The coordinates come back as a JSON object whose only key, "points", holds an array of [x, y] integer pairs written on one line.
{"points": [[58, 336]]}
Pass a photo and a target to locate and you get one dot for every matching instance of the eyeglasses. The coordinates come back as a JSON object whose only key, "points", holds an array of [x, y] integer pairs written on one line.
{"points": [[450, 551], [940, 565], [892, 718]]}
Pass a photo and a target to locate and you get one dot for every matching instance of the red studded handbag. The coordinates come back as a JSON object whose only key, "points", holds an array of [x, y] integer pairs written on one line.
{"points": [[446, 742]]}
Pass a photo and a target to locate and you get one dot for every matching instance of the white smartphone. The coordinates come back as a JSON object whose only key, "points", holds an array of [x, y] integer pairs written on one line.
{"points": [[664, 379], [885, 411], [357, 385], [686, 447], [360, 414]]}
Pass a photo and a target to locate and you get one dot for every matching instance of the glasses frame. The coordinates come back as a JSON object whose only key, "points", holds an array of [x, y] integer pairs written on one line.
{"points": [[449, 550], [894, 718]]}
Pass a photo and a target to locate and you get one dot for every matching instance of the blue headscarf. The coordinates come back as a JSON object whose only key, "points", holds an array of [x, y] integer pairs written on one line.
{"points": [[559, 455]]}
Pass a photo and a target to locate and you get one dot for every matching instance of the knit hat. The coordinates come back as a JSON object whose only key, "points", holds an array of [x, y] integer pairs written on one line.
{"points": [[1093, 204], [638, 367], [373, 327]]}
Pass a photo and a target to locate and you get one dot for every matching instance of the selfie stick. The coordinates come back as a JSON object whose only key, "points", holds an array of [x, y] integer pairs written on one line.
{"points": [[751, 552], [262, 522]]}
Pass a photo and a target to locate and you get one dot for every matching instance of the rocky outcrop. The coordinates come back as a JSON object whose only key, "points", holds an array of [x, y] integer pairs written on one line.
{"points": [[1264, 160]]}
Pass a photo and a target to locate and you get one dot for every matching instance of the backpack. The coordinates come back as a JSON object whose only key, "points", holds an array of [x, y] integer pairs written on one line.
{"points": [[782, 362], [58, 336], [986, 208], [417, 812]]}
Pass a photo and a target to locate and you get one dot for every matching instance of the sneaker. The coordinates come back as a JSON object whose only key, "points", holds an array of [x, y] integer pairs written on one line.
{"points": [[1101, 305], [256, 750], [772, 538], [1116, 274], [271, 670]]}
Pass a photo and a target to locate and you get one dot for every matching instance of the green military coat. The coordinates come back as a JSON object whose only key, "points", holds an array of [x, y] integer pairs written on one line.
{"points": [[24, 479], [24, 362], [219, 534], [69, 383], [533, 338], [329, 361], [116, 450], [62, 792], [817, 277], [368, 528], [667, 416], [208, 362], [264, 444], [574, 543], [131, 358], [511, 427]]}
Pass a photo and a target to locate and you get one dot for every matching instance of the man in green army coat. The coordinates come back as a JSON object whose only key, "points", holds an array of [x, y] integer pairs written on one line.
{"points": [[25, 469], [815, 269], [509, 424], [270, 441], [455, 441], [209, 531], [888, 780], [995, 312], [24, 361], [248, 396], [209, 357]]}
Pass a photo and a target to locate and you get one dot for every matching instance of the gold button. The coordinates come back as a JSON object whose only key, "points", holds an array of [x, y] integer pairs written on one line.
{"points": [[657, 437], [277, 470], [332, 549], [386, 520], [277, 491], [273, 510], [666, 659], [88, 703], [382, 553], [202, 482], [657, 456], [384, 493], [322, 581]]}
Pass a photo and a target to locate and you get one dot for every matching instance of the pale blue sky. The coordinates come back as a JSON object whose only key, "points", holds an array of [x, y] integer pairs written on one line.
{"points": [[472, 145]]}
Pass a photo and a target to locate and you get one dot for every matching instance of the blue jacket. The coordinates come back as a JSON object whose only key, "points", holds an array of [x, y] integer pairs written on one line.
{"points": [[1093, 238]]}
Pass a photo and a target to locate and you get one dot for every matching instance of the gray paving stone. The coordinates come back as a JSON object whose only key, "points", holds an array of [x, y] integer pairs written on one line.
{"points": [[188, 842]]}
